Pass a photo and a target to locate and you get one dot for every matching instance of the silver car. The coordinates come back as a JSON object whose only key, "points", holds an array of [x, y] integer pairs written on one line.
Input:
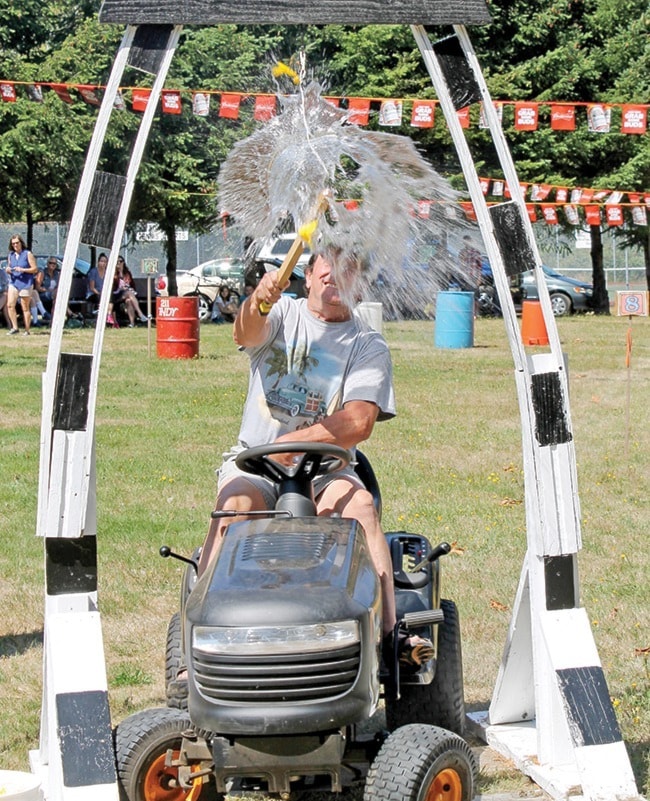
{"points": [[568, 295]]}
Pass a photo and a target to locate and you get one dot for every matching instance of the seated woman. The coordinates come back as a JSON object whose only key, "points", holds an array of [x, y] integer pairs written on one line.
{"points": [[225, 305], [124, 292]]}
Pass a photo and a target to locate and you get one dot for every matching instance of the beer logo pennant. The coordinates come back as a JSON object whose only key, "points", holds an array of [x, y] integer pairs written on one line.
{"points": [[229, 106], [264, 108], [8, 92], [171, 102], [358, 110], [634, 119], [390, 113], [526, 116], [139, 99], [563, 117], [201, 104], [599, 117], [423, 114]]}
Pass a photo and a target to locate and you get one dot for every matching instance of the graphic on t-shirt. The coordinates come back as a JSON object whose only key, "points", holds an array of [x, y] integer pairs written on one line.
{"points": [[291, 389]]}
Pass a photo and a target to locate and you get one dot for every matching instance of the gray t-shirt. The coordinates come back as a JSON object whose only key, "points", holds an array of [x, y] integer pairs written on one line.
{"points": [[308, 369]]}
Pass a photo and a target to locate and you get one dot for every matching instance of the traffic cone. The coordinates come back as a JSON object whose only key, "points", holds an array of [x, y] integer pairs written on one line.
{"points": [[533, 327]]}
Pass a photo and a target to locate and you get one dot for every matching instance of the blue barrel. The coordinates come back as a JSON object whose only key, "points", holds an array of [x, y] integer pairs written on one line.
{"points": [[454, 320]]}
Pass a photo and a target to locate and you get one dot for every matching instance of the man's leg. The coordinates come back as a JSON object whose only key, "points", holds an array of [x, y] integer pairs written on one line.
{"points": [[236, 495], [345, 497]]}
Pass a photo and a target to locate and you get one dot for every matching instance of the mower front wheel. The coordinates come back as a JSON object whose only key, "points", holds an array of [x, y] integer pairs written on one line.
{"points": [[175, 690], [422, 763], [141, 744]]}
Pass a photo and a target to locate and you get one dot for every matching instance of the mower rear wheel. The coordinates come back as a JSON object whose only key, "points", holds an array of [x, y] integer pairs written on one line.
{"points": [[141, 744], [441, 703], [176, 691], [422, 763]]}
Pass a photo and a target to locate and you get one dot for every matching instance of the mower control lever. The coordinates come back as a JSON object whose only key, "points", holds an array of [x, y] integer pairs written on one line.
{"points": [[165, 551], [436, 553]]}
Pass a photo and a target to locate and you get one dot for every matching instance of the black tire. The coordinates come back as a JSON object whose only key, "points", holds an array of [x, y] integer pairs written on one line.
{"points": [[141, 744], [441, 703], [174, 662], [422, 763]]}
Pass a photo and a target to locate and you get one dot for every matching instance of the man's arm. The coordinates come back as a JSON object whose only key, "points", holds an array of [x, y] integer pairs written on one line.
{"points": [[346, 428], [251, 327]]}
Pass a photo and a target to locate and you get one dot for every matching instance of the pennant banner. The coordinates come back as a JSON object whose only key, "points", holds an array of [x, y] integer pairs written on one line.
{"points": [[390, 113], [171, 102], [562, 116], [8, 92], [264, 108], [201, 104], [358, 111], [423, 114], [229, 107]]}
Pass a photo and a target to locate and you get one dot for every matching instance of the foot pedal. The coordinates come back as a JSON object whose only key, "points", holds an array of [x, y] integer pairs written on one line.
{"points": [[428, 617]]}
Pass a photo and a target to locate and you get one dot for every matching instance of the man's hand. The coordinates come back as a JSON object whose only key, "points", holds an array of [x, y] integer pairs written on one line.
{"points": [[268, 290], [250, 324]]}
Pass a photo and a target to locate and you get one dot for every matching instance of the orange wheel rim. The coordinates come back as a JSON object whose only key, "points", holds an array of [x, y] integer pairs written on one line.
{"points": [[161, 783], [446, 786]]}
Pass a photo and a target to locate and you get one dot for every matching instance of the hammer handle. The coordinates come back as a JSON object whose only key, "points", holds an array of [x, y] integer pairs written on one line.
{"points": [[285, 269]]}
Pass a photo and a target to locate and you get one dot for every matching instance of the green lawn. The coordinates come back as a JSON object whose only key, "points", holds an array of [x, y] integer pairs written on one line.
{"points": [[450, 465]]}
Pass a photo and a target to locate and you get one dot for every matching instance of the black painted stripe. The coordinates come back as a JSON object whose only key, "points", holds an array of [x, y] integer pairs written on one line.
{"points": [[589, 709], [70, 565], [84, 731], [551, 427], [560, 574], [149, 46], [70, 411], [101, 216], [457, 72], [511, 235]]}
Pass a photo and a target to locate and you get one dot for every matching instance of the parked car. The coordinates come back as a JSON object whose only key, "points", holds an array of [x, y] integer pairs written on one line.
{"points": [[568, 295], [276, 248], [205, 279], [81, 265]]}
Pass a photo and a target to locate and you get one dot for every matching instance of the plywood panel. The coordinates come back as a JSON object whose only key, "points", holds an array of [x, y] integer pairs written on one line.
{"points": [[359, 12]]}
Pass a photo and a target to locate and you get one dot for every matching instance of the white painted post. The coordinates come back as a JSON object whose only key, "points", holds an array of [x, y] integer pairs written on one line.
{"points": [[550, 710], [75, 760]]}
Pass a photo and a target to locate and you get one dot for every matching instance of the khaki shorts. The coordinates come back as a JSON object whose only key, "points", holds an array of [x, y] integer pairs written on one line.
{"points": [[25, 293], [268, 488]]}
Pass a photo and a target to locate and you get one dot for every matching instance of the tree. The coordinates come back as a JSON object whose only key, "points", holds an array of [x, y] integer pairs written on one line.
{"points": [[176, 185], [43, 145]]}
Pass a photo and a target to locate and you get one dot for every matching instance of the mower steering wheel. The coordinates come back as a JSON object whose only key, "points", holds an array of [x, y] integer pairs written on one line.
{"points": [[313, 459]]}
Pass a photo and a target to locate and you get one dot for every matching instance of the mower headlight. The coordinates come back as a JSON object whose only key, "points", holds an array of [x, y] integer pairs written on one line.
{"points": [[275, 639]]}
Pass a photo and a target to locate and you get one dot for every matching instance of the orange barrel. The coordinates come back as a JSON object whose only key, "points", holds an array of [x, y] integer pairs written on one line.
{"points": [[177, 327], [533, 327]]}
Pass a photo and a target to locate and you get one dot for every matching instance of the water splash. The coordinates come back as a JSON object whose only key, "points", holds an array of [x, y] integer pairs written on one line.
{"points": [[373, 182]]}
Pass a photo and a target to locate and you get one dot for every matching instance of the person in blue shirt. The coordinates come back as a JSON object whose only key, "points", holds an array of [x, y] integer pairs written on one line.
{"points": [[22, 270]]}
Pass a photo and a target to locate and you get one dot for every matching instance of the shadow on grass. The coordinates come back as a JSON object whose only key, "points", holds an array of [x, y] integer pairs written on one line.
{"points": [[16, 644], [640, 760]]}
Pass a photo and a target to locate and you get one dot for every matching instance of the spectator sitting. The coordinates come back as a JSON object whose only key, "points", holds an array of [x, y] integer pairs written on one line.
{"points": [[248, 290], [124, 292], [47, 285], [225, 306], [95, 284]]}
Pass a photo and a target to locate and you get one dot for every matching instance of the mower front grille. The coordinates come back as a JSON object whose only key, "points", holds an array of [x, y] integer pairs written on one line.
{"points": [[290, 678]]}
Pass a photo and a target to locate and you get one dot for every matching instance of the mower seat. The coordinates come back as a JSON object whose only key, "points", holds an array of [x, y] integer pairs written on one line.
{"points": [[364, 470]]}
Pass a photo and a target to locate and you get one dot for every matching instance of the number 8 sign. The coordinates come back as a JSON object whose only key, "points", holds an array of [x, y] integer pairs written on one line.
{"points": [[632, 304]]}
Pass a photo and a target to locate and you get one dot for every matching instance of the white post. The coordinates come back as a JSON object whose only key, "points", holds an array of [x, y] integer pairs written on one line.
{"points": [[550, 710]]}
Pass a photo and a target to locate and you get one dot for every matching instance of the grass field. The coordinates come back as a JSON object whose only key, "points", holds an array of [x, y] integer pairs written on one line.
{"points": [[450, 466]]}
